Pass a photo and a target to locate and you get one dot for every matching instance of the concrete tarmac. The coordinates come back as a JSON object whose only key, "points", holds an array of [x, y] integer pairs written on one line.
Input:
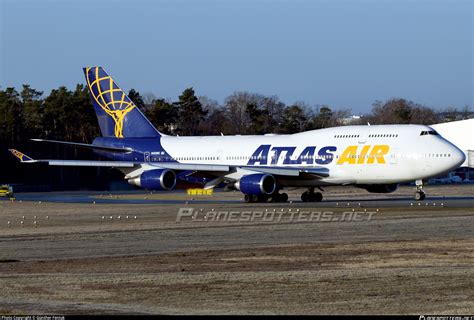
{"points": [[127, 254], [397, 199]]}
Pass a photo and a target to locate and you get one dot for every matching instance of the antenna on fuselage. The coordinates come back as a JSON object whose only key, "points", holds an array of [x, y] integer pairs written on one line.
{"points": [[368, 123]]}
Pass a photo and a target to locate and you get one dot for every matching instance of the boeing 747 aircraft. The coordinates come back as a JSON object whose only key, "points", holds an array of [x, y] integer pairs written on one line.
{"points": [[376, 158]]}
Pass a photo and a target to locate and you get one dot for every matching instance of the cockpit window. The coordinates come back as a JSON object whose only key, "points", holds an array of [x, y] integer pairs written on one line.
{"points": [[430, 132]]}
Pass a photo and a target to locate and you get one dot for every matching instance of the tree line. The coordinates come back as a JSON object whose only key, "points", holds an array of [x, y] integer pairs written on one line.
{"points": [[69, 115]]}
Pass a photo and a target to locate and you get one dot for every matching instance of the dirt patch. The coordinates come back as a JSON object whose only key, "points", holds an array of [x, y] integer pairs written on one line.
{"points": [[388, 277]]}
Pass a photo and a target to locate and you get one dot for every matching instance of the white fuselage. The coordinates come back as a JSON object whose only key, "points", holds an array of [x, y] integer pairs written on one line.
{"points": [[378, 154]]}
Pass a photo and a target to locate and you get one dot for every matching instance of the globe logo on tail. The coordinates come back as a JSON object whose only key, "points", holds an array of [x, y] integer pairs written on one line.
{"points": [[109, 97]]}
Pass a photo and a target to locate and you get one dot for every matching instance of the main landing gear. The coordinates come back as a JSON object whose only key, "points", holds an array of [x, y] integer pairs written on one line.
{"points": [[419, 193], [275, 197], [279, 197], [311, 196], [250, 198]]}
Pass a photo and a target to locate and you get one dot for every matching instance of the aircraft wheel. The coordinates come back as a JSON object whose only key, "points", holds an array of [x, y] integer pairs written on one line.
{"points": [[279, 197], [317, 197], [311, 197], [276, 197], [420, 196], [283, 197], [305, 197], [251, 198]]}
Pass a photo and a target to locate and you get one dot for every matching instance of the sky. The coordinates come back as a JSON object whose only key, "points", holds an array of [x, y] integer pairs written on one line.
{"points": [[345, 54]]}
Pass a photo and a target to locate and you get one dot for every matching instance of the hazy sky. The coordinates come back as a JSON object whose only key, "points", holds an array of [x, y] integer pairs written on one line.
{"points": [[346, 54]]}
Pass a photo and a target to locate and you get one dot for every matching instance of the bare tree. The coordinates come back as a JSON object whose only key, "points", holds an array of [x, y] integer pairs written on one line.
{"points": [[148, 98], [236, 106], [402, 111]]}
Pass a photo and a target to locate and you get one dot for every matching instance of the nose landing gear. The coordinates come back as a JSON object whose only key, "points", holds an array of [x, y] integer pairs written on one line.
{"points": [[419, 193]]}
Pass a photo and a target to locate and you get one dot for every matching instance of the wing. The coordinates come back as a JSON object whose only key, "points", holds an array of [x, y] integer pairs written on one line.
{"points": [[319, 172], [20, 156], [277, 172], [220, 172]]}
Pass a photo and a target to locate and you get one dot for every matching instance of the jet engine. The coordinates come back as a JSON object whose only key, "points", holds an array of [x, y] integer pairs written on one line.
{"points": [[158, 179], [256, 184], [380, 188]]}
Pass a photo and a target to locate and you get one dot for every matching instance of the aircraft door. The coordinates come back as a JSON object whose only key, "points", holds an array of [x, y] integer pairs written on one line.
{"points": [[363, 169], [220, 156], [146, 156], [394, 156], [364, 134]]}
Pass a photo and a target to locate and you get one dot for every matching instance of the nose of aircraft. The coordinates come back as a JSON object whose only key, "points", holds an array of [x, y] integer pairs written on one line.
{"points": [[454, 161], [458, 156]]}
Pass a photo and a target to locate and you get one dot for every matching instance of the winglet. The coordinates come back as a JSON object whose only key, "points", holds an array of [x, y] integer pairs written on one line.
{"points": [[20, 156]]}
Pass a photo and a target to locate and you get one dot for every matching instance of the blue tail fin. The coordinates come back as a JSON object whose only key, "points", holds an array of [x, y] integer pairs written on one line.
{"points": [[118, 116]]}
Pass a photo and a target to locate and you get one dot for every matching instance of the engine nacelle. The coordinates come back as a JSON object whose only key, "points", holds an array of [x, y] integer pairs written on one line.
{"points": [[158, 179], [257, 184], [381, 188]]}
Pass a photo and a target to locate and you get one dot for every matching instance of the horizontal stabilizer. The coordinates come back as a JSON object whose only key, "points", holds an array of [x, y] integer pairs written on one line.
{"points": [[87, 146], [20, 156]]}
